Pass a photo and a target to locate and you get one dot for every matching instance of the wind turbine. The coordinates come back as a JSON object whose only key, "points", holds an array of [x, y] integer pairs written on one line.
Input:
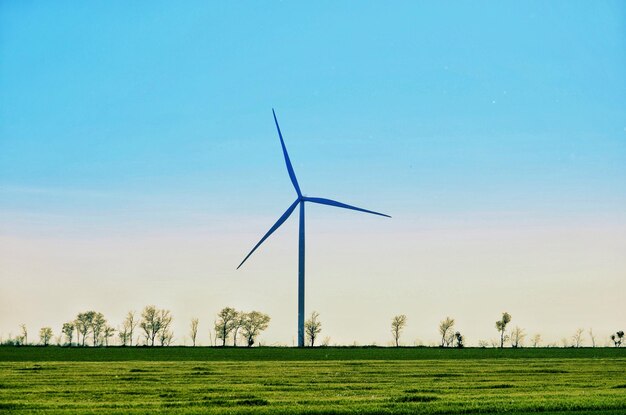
{"points": [[300, 200]]}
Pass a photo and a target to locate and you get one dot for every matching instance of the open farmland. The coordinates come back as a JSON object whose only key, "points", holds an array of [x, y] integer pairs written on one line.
{"points": [[323, 380]]}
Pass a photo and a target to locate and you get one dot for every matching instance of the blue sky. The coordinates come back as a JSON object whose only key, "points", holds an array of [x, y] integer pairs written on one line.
{"points": [[159, 114]]}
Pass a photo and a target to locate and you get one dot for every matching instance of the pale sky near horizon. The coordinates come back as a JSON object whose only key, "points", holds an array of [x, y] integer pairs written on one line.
{"points": [[139, 164]]}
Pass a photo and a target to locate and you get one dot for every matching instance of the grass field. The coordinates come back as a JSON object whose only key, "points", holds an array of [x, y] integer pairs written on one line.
{"points": [[312, 381]]}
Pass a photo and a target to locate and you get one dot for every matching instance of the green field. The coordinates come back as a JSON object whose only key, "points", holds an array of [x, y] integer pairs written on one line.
{"points": [[312, 381]]}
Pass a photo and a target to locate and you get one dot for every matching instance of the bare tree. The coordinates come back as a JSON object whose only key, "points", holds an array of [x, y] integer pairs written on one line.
{"points": [[577, 338], [517, 337], [83, 324], [501, 326], [445, 329], [237, 323], [592, 337], [165, 334], [107, 333], [211, 332], [225, 323], [68, 330], [122, 333], [252, 324], [98, 323], [155, 324], [125, 333], [90, 321], [397, 325], [536, 340], [150, 323], [45, 334], [312, 327], [128, 327], [24, 335], [167, 337], [194, 330]]}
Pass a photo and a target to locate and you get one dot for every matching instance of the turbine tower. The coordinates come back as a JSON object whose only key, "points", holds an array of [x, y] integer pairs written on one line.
{"points": [[300, 200]]}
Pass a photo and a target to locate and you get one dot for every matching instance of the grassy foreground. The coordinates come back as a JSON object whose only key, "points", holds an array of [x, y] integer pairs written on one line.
{"points": [[377, 380]]}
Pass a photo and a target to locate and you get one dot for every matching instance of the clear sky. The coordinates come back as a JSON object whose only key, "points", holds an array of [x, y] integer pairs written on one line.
{"points": [[139, 163]]}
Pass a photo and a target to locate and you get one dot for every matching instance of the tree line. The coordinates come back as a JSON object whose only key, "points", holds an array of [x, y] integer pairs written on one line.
{"points": [[153, 327], [515, 337]]}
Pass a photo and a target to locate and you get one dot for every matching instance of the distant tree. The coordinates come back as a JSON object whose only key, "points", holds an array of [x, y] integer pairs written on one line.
{"points": [[24, 334], [98, 323], [193, 330], [68, 331], [312, 327], [237, 324], [252, 324], [107, 333], [225, 323], [125, 332], [536, 340], [617, 338], [83, 324], [165, 334], [459, 340], [483, 343], [501, 327], [397, 325], [213, 334], [150, 324], [128, 328], [17, 341], [45, 334], [577, 338], [122, 333], [592, 337], [445, 330], [517, 337]]}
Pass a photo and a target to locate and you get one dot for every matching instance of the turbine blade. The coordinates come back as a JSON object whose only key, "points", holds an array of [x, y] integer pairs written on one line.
{"points": [[272, 229], [292, 174], [329, 202]]}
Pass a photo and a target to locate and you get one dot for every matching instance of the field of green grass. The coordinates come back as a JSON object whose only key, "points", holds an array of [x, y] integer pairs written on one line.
{"points": [[52, 380]]}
